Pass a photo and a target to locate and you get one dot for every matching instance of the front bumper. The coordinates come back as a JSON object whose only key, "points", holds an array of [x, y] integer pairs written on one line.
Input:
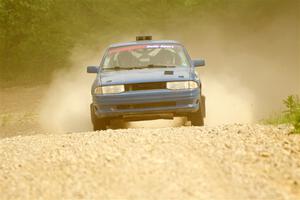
{"points": [[147, 102]]}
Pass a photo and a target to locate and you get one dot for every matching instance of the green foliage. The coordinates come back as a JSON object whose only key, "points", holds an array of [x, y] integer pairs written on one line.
{"points": [[37, 36], [290, 116], [292, 113]]}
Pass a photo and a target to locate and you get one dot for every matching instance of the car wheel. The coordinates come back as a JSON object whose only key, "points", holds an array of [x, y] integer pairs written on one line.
{"points": [[98, 124], [197, 118], [117, 123]]}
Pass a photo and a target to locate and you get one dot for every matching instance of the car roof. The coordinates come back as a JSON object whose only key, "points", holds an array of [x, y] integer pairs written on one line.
{"points": [[144, 42]]}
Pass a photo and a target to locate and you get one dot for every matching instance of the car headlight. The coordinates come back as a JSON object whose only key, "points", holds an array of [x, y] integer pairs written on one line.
{"points": [[112, 89], [179, 85]]}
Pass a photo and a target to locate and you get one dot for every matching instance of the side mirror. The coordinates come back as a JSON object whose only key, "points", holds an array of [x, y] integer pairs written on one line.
{"points": [[92, 69], [198, 63]]}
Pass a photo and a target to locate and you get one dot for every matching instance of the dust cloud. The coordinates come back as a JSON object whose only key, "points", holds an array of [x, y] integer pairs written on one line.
{"points": [[65, 106], [249, 70], [248, 73]]}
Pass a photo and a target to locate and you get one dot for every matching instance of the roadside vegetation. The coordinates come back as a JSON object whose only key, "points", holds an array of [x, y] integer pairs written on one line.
{"points": [[291, 115], [37, 37]]}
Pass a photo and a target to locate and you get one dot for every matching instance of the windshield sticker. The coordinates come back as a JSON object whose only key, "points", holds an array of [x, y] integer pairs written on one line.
{"points": [[128, 48], [135, 47], [159, 46]]}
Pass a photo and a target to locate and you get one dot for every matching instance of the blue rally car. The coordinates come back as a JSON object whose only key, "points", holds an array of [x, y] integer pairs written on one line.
{"points": [[144, 80]]}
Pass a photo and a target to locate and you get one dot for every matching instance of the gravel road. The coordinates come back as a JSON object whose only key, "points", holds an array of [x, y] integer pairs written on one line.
{"points": [[222, 162]]}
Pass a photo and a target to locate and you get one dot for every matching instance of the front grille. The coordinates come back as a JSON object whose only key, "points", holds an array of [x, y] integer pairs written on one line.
{"points": [[146, 105], [145, 86]]}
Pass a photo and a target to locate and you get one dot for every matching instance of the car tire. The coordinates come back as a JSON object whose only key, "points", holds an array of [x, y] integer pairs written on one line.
{"points": [[98, 124], [116, 123], [197, 118]]}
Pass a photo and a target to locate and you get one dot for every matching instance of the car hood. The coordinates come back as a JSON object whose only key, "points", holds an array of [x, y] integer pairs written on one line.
{"points": [[145, 75]]}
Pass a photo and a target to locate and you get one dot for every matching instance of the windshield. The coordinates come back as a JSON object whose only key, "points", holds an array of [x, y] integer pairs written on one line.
{"points": [[145, 56]]}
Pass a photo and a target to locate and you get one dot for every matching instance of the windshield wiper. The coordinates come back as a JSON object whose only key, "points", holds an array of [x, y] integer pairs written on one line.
{"points": [[160, 66], [113, 68], [116, 68]]}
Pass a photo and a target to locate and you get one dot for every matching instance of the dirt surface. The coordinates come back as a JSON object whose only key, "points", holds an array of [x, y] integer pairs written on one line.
{"points": [[223, 162], [19, 110], [236, 161]]}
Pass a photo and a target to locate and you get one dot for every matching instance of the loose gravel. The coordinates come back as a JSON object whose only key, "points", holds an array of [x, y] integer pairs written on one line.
{"points": [[223, 162]]}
